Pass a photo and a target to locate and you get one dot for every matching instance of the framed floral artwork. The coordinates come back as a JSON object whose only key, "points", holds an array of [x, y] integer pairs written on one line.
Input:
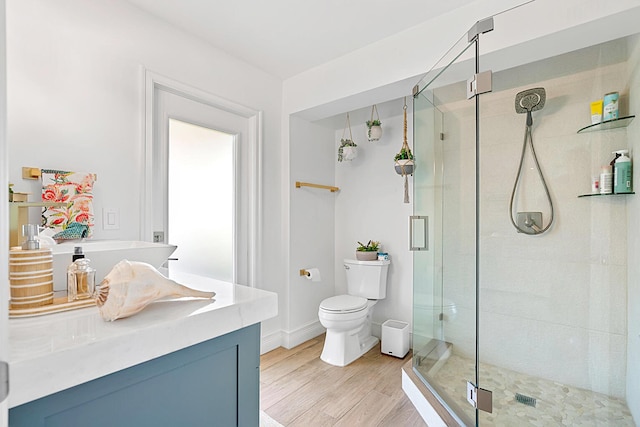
{"points": [[74, 219]]}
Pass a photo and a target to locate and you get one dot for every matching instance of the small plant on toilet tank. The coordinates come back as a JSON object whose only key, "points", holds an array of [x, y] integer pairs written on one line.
{"points": [[368, 252]]}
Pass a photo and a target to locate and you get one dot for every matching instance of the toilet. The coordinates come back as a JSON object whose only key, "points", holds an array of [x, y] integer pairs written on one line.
{"points": [[347, 318]]}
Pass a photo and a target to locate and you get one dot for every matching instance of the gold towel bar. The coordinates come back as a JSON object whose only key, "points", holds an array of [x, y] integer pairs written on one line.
{"points": [[324, 187]]}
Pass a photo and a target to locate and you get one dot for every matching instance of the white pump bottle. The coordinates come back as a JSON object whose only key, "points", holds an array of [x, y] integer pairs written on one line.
{"points": [[622, 174]]}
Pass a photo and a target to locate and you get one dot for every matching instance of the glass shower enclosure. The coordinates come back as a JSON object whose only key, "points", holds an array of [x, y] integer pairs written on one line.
{"points": [[531, 328]]}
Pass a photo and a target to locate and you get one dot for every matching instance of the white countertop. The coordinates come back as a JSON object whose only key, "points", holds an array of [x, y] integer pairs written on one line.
{"points": [[53, 352]]}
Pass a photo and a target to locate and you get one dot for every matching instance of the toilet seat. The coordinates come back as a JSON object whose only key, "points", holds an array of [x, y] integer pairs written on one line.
{"points": [[343, 304]]}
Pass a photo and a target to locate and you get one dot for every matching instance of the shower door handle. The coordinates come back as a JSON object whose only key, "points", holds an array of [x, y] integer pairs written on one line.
{"points": [[418, 233]]}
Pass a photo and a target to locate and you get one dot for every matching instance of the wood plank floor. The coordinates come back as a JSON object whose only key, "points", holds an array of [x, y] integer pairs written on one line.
{"points": [[298, 389]]}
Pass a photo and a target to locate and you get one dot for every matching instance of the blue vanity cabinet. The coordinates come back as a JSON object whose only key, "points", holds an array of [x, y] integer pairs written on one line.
{"points": [[214, 383]]}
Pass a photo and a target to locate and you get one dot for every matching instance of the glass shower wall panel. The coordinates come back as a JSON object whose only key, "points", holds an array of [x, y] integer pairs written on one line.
{"points": [[427, 277], [444, 279]]}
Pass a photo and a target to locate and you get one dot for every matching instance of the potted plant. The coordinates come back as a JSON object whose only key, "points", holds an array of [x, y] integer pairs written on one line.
{"points": [[368, 252], [404, 162], [347, 150], [374, 129]]}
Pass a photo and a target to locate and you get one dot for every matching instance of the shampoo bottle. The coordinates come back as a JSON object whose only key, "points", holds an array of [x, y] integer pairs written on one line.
{"points": [[622, 173], [81, 277]]}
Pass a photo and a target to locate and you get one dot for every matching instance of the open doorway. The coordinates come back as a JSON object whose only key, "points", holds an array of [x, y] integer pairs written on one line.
{"points": [[201, 200], [202, 185]]}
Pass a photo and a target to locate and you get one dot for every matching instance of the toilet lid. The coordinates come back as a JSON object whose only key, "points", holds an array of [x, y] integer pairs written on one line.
{"points": [[344, 304]]}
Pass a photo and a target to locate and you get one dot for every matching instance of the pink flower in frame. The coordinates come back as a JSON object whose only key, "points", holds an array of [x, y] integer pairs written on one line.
{"points": [[58, 221], [82, 218], [54, 193]]}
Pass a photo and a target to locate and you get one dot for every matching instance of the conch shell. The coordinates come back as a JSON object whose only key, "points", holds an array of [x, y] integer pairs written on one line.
{"points": [[131, 286]]}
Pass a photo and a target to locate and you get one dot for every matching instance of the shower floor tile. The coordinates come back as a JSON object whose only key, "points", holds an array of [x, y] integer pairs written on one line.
{"points": [[555, 403]]}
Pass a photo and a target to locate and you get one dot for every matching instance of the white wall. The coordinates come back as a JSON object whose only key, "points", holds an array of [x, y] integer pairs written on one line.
{"points": [[75, 102], [370, 207], [325, 227], [633, 237], [311, 229]]}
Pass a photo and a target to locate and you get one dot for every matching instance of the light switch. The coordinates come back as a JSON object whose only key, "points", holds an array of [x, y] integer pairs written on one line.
{"points": [[111, 219]]}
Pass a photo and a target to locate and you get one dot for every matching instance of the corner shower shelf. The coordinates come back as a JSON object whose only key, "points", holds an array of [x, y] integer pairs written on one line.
{"points": [[609, 194], [609, 124]]}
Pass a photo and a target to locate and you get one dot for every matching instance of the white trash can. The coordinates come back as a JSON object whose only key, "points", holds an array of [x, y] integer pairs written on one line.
{"points": [[395, 338]]}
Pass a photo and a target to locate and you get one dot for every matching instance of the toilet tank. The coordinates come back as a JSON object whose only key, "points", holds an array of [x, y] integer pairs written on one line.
{"points": [[367, 279]]}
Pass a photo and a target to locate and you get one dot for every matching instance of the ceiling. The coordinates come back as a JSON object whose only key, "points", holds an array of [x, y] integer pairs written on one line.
{"points": [[287, 37]]}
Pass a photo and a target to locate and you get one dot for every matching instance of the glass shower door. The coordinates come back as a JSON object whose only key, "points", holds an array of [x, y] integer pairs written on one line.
{"points": [[444, 323]]}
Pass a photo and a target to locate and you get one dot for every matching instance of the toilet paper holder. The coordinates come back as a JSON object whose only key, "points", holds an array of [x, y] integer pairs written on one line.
{"points": [[312, 274]]}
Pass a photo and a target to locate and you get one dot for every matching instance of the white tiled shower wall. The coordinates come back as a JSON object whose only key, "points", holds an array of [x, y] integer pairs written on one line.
{"points": [[554, 305]]}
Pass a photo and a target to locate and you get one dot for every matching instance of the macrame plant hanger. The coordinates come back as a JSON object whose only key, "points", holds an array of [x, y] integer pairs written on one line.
{"points": [[406, 170], [347, 125]]}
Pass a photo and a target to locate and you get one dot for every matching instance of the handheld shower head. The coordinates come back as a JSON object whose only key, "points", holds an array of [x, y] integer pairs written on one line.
{"points": [[530, 100]]}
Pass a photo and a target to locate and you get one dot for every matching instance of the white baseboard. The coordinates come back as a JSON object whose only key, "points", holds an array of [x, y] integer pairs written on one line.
{"points": [[290, 339], [270, 342], [300, 335]]}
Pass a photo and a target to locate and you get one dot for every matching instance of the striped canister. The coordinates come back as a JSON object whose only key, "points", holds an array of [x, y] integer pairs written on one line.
{"points": [[30, 277]]}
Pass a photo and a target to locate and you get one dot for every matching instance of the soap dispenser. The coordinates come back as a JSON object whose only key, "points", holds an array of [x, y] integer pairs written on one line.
{"points": [[622, 173], [81, 277]]}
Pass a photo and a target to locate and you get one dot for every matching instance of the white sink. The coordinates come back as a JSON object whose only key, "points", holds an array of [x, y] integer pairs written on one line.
{"points": [[105, 254]]}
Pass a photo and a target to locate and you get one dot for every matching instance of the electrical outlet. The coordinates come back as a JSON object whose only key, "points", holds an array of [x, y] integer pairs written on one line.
{"points": [[158, 236]]}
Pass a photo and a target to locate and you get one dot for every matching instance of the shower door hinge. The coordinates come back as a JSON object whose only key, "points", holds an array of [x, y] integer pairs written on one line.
{"points": [[4, 380], [480, 398], [479, 83], [416, 90]]}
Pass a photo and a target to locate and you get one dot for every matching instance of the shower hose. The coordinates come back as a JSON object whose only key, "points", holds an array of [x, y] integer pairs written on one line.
{"points": [[528, 139]]}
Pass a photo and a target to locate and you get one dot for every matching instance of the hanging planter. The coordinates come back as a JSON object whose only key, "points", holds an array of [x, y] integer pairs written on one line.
{"points": [[374, 128], [404, 162], [404, 166], [348, 148]]}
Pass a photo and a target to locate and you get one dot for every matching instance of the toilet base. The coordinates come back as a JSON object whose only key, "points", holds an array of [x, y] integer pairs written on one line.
{"points": [[369, 343], [342, 348]]}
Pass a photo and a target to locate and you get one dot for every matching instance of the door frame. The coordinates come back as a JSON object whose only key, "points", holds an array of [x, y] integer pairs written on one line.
{"points": [[153, 81], [4, 210]]}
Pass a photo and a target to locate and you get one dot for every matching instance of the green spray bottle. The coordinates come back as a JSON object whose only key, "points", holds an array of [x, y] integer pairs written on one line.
{"points": [[622, 173]]}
